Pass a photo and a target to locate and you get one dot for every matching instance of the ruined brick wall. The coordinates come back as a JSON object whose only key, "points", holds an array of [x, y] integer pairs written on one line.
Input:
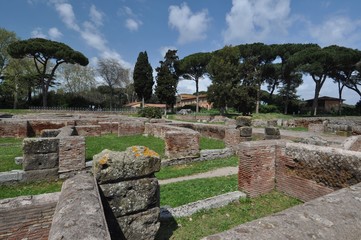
{"points": [[300, 170], [301, 187], [256, 174], [13, 128], [71, 153], [179, 142], [206, 130], [88, 130], [27, 217], [36, 126], [128, 128]]}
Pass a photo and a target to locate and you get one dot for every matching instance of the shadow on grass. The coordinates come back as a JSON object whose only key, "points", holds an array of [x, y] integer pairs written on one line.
{"points": [[166, 229]]}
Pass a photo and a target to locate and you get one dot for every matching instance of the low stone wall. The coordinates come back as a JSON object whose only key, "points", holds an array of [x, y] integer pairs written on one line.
{"points": [[27, 217], [128, 128], [130, 188], [79, 213], [353, 143], [301, 170], [205, 155], [333, 216], [206, 130]]}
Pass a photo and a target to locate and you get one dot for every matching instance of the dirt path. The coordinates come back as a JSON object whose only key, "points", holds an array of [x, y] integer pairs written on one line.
{"points": [[226, 171]]}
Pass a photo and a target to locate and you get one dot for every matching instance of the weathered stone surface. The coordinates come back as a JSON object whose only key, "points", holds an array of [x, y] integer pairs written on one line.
{"points": [[140, 226], [243, 121], [79, 213], [245, 131], [40, 145], [315, 140], [19, 160], [40, 161], [353, 143], [71, 153], [132, 196], [272, 123], [49, 132], [318, 128], [181, 144], [136, 161], [35, 175], [272, 131]]}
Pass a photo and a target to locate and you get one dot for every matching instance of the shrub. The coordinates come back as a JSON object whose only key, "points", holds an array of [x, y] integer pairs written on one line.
{"points": [[268, 109], [150, 112]]}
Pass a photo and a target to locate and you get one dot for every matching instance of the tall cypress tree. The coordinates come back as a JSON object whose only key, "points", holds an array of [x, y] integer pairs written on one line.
{"points": [[143, 77]]}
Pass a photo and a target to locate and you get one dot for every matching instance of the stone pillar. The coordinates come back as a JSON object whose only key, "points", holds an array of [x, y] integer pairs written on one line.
{"points": [[245, 133], [272, 133], [243, 121], [128, 183], [40, 158]]}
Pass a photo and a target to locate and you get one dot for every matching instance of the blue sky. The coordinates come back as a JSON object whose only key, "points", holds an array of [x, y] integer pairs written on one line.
{"points": [[122, 28]]}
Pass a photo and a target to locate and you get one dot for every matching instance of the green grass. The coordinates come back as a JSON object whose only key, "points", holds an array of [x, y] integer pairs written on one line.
{"points": [[180, 193], [213, 221], [297, 129], [15, 111], [211, 143], [95, 145], [10, 148], [33, 188], [194, 168]]}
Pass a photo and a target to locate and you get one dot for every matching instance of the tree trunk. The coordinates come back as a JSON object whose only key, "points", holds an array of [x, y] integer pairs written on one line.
{"points": [[45, 95], [258, 97], [143, 102], [340, 88], [197, 96], [287, 97], [315, 99]]}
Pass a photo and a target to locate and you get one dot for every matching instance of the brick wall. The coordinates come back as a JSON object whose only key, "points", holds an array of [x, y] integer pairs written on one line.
{"points": [[88, 130], [27, 217], [206, 130], [128, 128], [256, 174], [13, 128], [35, 127], [71, 153], [300, 170]]}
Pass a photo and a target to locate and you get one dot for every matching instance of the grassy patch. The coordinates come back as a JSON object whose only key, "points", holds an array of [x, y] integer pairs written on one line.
{"points": [[24, 189], [213, 221], [95, 145], [297, 129], [15, 111], [194, 168], [10, 148], [180, 193], [211, 143]]}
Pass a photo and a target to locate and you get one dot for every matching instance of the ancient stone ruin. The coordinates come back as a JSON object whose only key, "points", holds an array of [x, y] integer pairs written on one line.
{"points": [[119, 198]]}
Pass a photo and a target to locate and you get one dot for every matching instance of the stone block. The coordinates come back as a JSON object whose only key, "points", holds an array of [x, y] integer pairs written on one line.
{"points": [[130, 128], [14, 175], [71, 153], [40, 161], [140, 226], [43, 174], [181, 144], [272, 131], [40, 145], [89, 130], [49, 133], [272, 123], [245, 131], [135, 162], [243, 121], [132, 196], [319, 128]]}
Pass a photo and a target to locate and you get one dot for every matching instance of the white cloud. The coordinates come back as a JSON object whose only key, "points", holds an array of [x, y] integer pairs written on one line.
{"points": [[90, 32], [132, 24], [338, 30], [37, 33], [54, 33], [67, 15], [96, 16], [256, 20], [191, 26]]}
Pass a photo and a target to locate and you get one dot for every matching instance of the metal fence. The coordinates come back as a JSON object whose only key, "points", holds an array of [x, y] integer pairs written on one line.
{"points": [[90, 109]]}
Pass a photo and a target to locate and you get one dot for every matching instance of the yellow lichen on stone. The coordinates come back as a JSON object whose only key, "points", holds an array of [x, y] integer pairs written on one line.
{"points": [[104, 159], [150, 153], [134, 149]]}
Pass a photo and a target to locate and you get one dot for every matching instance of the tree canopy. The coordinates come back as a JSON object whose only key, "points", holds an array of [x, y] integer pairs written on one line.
{"points": [[43, 52], [143, 77], [193, 67]]}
